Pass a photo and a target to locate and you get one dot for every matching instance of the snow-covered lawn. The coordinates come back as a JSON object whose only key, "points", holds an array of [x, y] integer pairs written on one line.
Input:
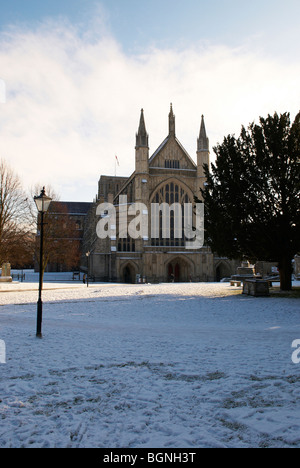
{"points": [[168, 365]]}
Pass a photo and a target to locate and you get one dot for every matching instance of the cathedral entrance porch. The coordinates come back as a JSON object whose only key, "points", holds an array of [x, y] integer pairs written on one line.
{"points": [[178, 271], [128, 274]]}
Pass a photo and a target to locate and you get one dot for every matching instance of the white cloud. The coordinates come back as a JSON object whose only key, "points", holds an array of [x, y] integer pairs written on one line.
{"points": [[2, 91], [73, 101]]}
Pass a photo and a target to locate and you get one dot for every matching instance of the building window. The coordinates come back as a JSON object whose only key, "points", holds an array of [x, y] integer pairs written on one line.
{"points": [[171, 164], [126, 245], [170, 193]]}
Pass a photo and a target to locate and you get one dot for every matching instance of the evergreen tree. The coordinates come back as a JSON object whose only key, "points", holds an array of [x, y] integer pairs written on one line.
{"points": [[252, 195]]}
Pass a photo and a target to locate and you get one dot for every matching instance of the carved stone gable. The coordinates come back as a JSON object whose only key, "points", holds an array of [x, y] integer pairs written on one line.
{"points": [[171, 155]]}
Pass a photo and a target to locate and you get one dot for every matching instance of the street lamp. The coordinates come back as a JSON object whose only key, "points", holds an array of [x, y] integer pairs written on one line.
{"points": [[88, 267], [42, 203]]}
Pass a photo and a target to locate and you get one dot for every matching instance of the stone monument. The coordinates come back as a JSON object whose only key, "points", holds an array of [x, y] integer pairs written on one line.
{"points": [[245, 271], [6, 273]]}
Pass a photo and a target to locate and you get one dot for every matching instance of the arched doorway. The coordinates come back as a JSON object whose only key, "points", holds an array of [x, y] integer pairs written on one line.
{"points": [[178, 270], [222, 271], [174, 273], [128, 274]]}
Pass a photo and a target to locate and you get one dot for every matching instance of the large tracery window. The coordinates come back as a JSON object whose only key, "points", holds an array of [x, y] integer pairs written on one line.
{"points": [[170, 193]]}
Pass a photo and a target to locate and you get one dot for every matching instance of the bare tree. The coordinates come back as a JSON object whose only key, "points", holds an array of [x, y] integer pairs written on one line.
{"points": [[19, 226], [16, 240]]}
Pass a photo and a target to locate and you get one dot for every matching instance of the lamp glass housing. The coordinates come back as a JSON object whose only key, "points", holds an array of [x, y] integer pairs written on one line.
{"points": [[42, 202]]}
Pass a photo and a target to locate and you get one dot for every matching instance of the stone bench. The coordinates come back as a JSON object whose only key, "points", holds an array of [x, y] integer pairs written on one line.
{"points": [[256, 287], [235, 283]]}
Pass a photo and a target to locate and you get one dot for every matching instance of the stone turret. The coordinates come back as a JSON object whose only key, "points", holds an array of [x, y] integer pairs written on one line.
{"points": [[203, 141], [171, 122], [142, 162], [142, 148], [142, 138], [202, 157]]}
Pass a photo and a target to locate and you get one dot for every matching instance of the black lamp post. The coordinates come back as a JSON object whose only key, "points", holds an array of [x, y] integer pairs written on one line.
{"points": [[88, 267], [42, 203]]}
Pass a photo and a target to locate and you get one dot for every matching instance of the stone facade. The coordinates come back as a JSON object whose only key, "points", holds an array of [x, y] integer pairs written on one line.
{"points": [[169, 175]]}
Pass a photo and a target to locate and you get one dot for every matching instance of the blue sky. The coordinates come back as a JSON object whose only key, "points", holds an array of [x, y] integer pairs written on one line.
{"points": [[78, 72], [164, 23]]}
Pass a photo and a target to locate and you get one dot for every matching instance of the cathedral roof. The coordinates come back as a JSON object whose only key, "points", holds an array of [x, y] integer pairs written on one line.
{"points": [[163, 145], [72, 208]]}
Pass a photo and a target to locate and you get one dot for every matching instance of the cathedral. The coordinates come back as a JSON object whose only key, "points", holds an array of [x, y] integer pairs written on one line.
{"points": [[169, 175], [156, 251]]}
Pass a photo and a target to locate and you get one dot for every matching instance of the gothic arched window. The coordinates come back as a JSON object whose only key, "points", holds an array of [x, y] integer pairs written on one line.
{"points": [[174, 195]]}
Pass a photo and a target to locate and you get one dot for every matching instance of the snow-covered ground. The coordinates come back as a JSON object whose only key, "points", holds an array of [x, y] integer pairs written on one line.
{"points": [[160, 366]]}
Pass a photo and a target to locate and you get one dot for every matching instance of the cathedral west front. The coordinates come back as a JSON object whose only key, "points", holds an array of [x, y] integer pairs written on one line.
{"points": [[167, 176]]}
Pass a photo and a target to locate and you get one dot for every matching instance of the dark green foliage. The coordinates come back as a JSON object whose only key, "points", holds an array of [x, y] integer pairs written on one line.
{"points": [[252, 196]]}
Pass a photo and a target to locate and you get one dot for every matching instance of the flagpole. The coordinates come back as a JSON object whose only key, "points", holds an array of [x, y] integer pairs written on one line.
{"points": [[116, 162]]}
